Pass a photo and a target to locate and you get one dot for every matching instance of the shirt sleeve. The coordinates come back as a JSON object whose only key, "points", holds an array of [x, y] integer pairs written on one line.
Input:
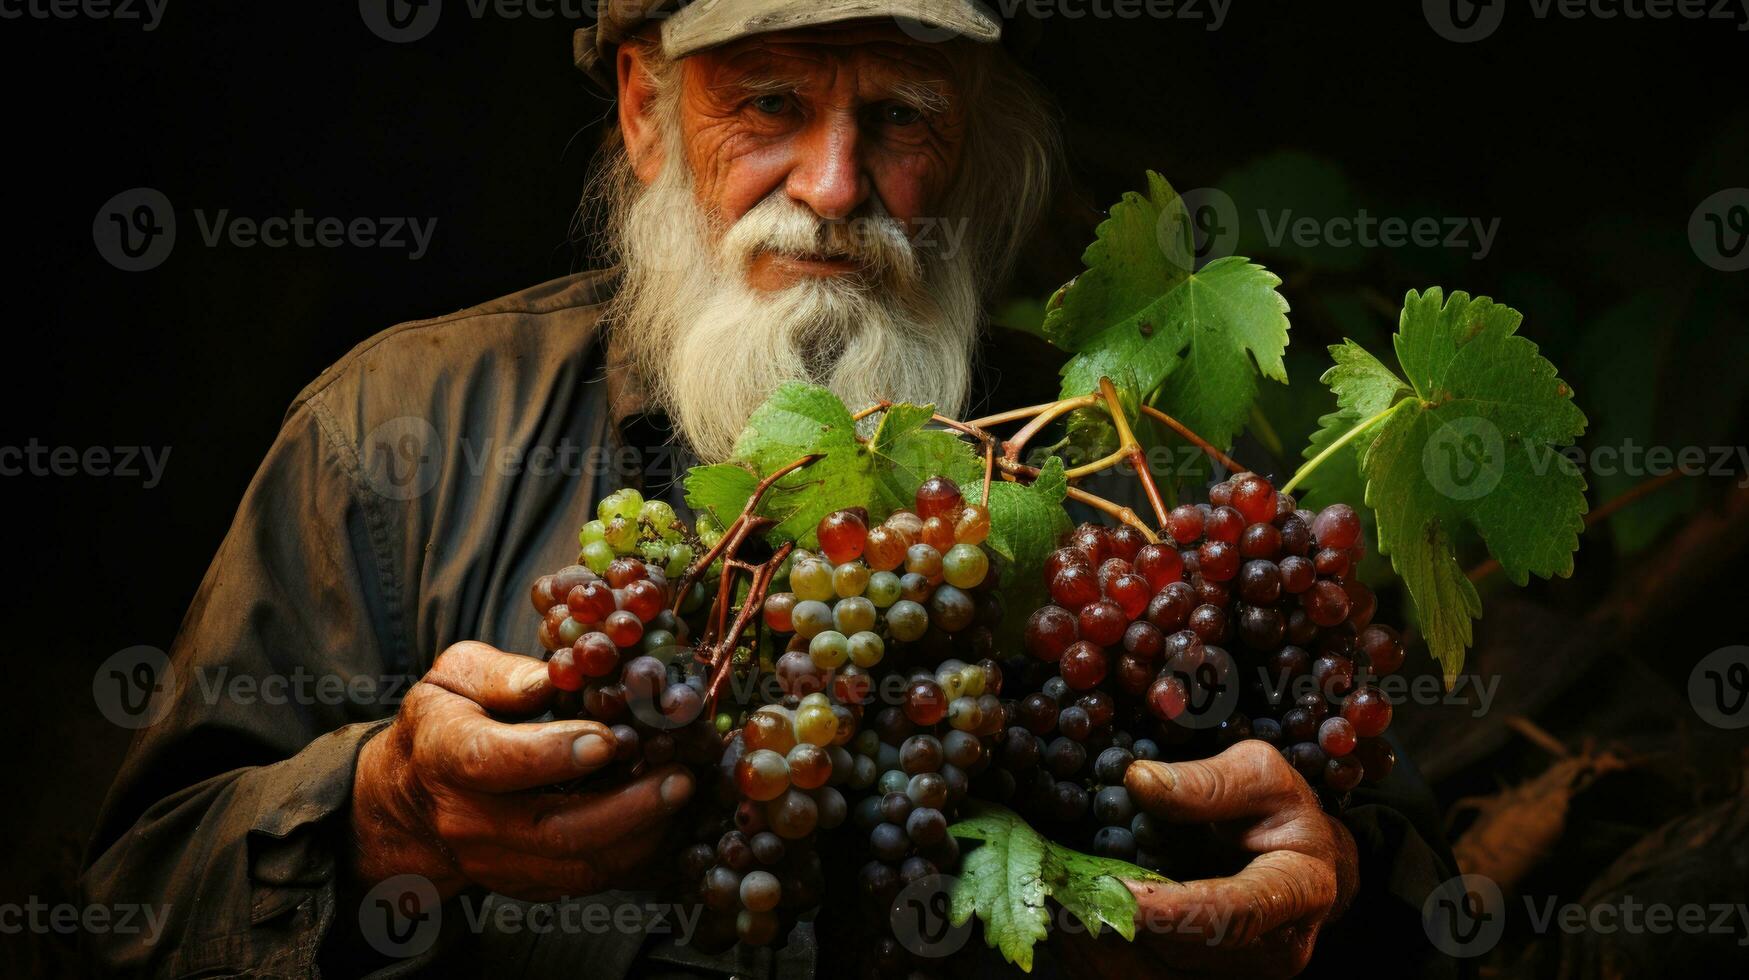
{"points": [[227, 819]]}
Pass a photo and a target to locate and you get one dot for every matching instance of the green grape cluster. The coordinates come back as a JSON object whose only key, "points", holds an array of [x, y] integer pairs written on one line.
{"points": [[627, 524]]}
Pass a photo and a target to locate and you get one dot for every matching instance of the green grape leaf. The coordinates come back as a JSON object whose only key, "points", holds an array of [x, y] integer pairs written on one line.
{"points": [[1026, 521], [721, 489], [798, 420], [914, 454], [1364, 387], [1006, 880], [1476, 440], [1140, 315], [1140, 252], [1208, 338]]}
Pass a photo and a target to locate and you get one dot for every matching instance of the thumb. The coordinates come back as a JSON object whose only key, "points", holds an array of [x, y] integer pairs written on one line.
{"points": [[1250, 779]]}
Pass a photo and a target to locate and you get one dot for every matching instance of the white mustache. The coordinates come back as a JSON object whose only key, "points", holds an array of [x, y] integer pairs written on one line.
{"points": [[876, 240]]}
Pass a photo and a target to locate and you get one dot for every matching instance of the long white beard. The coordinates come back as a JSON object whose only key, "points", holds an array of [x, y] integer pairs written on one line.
{"points": [[711, 348]]}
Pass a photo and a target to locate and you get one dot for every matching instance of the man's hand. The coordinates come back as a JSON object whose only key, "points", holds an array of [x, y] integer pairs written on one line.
{"points": [[450, 793], [1264, 920]]}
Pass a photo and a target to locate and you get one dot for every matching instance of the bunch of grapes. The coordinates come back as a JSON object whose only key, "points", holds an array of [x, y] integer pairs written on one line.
{"points": [[614, 641], [886, 706], [1156, 639], [867, 619]]}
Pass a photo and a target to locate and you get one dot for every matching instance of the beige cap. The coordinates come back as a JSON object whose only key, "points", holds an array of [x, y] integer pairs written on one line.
{"points": [[706, 23]]}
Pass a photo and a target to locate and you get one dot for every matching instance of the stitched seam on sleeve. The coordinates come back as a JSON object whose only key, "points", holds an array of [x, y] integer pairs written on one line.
{"points": [[375, 523]]}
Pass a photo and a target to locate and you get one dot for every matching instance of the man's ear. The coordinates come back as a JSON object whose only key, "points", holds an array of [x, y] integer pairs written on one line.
{"points": [[637, 107]]}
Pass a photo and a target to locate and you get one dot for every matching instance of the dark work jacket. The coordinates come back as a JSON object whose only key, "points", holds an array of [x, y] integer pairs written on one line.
{"points": [[415, 491]]}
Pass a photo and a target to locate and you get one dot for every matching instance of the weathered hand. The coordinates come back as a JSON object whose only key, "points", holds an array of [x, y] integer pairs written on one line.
{"points": [[1262, 921], [450, 793]]}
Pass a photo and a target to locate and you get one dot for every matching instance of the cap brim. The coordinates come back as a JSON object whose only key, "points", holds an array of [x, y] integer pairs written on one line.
{"points": [[708, 23]]}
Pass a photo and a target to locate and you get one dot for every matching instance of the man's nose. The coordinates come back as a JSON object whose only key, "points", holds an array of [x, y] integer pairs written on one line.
{"points": [[829, 176]]}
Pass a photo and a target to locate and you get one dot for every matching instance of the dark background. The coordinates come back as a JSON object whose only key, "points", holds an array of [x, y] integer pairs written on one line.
{"points": [[1592, 141]]}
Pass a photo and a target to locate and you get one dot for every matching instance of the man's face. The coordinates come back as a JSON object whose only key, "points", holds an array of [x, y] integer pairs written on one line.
{"points": [[831, 118]]}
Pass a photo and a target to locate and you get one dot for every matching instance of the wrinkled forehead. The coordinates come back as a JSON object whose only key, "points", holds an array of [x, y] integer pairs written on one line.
{"points": [[875, 53]]}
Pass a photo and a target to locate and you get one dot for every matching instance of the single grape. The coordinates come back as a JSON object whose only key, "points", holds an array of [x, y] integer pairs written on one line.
{"points": [[865, 648], [1160, 565], [921, 753], [1113, 807], [889, 842], [1110, 766], [1185, 523], [625, 503], [810, 766], [850, 579], [778, 608], [722, 889], [925, 702], [598, 555], [810, 617], [950, 609], [882, 589], [927, 789], [1383, 648], [855, 614], [760, 891], [1326, 603], [621, 534], [793, 815], [816, 723], [762, 775], [922, 559], [843, 535], [1074, 586], [1336, 526], [1083, 666], [926, 825], [812, 579], [1368, 710], [939, 496], [828, 649], [1254, 498], [906, 620], [1336, 736], [965, 565], [972, 526]]}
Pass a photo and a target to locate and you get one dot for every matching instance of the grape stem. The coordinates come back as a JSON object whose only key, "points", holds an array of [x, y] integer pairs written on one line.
{"points": [[743, 525], [1333, 448], [723, 649], [1128, 445], [1191, 437]]}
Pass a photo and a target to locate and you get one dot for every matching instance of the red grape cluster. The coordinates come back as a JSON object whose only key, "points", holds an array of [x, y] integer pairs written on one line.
{"points": [[1160, 639]]}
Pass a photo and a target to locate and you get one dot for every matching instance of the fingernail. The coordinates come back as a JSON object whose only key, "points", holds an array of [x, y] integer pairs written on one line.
{"points": [[591, 751], [1157, 773], [533, 681], [676, 789]]}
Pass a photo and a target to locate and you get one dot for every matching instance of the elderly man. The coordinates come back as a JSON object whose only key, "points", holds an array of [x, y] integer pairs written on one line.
{"points": [[775, 168]]}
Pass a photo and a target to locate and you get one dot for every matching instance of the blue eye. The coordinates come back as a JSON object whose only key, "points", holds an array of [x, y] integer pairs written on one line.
{"points": [[899, 114], [771, 105]]}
